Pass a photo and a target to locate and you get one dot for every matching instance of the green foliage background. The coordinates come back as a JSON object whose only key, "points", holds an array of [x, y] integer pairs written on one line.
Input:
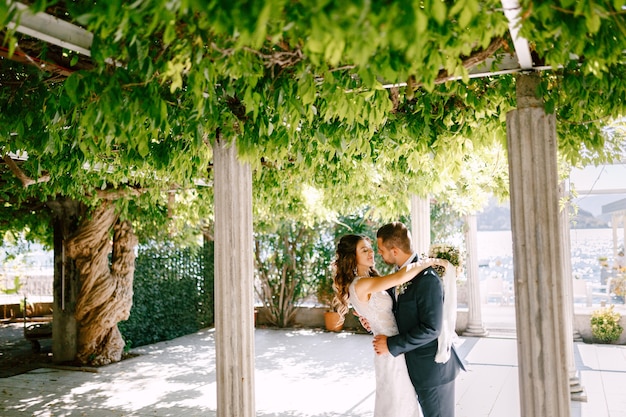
{"points": [[296, 258], [302, 88], [173, 293]]}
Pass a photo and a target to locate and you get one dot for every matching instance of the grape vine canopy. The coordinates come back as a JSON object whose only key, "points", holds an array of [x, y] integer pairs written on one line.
{"points": [[359, 101]]}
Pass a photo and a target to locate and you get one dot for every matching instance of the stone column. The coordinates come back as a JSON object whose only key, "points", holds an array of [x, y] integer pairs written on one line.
{"points": [[615, 221], [475, 325], [66, 282], [537, 254], [615, 224], [577, 392], [624, 231], [234, 274], [420, 224]]}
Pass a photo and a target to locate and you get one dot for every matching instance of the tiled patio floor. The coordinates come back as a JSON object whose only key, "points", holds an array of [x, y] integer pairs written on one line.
{"points": [[299, 373]]}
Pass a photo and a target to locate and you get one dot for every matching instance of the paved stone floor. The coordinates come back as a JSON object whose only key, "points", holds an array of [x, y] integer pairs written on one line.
{"points": [[299, 373]]}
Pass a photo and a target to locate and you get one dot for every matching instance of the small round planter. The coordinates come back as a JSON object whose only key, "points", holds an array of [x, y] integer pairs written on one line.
{"points": [[332, 321]]}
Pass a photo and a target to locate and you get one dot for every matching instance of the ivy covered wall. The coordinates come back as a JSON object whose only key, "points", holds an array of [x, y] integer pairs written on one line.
{"points": [[173, 293]]}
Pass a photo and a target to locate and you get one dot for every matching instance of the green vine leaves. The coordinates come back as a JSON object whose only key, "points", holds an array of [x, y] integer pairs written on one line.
{"points": [[346, 97]]}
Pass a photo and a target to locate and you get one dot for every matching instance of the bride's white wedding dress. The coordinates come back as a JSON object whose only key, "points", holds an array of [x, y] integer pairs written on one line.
{"points": [[395, 395]]}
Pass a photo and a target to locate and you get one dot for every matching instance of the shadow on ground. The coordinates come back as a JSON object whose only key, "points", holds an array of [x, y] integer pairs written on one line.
{"points": [[16, 353]]}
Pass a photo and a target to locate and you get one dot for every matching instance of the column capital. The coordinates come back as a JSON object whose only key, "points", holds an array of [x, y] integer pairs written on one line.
{"points": [[527, 90]]}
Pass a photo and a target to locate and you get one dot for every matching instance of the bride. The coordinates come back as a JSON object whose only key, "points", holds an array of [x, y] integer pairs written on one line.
{"points": [[357, 282]]}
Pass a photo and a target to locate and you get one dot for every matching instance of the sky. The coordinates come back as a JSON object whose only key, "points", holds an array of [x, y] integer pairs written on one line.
{"points": [[591, 181]]}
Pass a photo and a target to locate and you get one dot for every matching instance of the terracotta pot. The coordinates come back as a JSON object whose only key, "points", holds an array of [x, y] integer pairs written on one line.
{"points": [[331, 319]]}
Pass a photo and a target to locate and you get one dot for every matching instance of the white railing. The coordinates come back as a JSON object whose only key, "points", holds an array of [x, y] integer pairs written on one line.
{"points": [[35, 282]]}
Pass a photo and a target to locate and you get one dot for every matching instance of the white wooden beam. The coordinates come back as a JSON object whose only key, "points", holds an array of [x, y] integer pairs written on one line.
{"points": [[51, 29], [67, 35], [601, 192], [512, 10], [496, 65]]}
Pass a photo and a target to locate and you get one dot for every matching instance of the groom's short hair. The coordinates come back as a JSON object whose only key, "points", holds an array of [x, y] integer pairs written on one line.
{"points": [[395, 234]]}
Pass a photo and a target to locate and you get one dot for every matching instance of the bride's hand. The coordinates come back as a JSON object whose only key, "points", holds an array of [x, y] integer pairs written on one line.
{"points": [[421, 264]]}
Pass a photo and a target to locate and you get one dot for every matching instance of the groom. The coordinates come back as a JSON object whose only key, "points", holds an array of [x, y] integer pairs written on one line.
{"points": [[419, 314]]}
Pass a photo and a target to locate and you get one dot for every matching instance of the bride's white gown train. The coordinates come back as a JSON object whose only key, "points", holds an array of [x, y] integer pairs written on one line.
{"points": [[395, 395]]}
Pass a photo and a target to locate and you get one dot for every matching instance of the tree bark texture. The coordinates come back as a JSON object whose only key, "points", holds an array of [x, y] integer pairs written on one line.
{"points": [[106, 292]]}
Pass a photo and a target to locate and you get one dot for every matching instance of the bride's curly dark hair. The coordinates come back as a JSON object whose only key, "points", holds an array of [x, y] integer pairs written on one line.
{"points": [[344, 267]]}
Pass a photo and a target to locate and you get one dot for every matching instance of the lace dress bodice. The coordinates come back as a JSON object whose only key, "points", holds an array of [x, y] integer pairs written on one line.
{"points": [[378, 311]]}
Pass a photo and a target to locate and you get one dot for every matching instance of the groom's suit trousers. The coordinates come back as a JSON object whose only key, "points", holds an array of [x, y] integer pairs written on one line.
{"points": [[437, 401]]}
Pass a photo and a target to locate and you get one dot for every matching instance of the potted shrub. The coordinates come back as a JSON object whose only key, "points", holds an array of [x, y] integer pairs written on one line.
{"points": [[325, 294], [605, 326]]}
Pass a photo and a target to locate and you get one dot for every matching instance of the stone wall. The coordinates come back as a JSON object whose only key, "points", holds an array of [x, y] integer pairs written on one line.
{"points": [[312, 317]]}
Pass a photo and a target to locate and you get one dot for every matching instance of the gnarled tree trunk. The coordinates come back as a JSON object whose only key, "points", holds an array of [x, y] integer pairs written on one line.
{"points": [[106, 292]]}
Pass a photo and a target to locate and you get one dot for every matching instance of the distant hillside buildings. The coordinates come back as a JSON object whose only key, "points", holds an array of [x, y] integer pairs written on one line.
{"points": [[498, 217]]}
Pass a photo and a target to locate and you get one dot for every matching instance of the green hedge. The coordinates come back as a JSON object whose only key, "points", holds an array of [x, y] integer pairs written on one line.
{"points": [[173, 294]]}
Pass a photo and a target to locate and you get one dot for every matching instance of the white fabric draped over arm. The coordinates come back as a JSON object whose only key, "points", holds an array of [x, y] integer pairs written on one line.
{"points": [[447, 335]]}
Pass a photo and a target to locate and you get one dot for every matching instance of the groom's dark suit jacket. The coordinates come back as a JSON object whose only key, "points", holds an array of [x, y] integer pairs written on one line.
{"points": [[419, 314]]}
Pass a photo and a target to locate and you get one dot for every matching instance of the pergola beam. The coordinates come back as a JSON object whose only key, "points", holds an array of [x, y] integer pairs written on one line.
{"points": [[602, 192], [67, 35], [496, 65], [52, 30], [512, 11]]}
